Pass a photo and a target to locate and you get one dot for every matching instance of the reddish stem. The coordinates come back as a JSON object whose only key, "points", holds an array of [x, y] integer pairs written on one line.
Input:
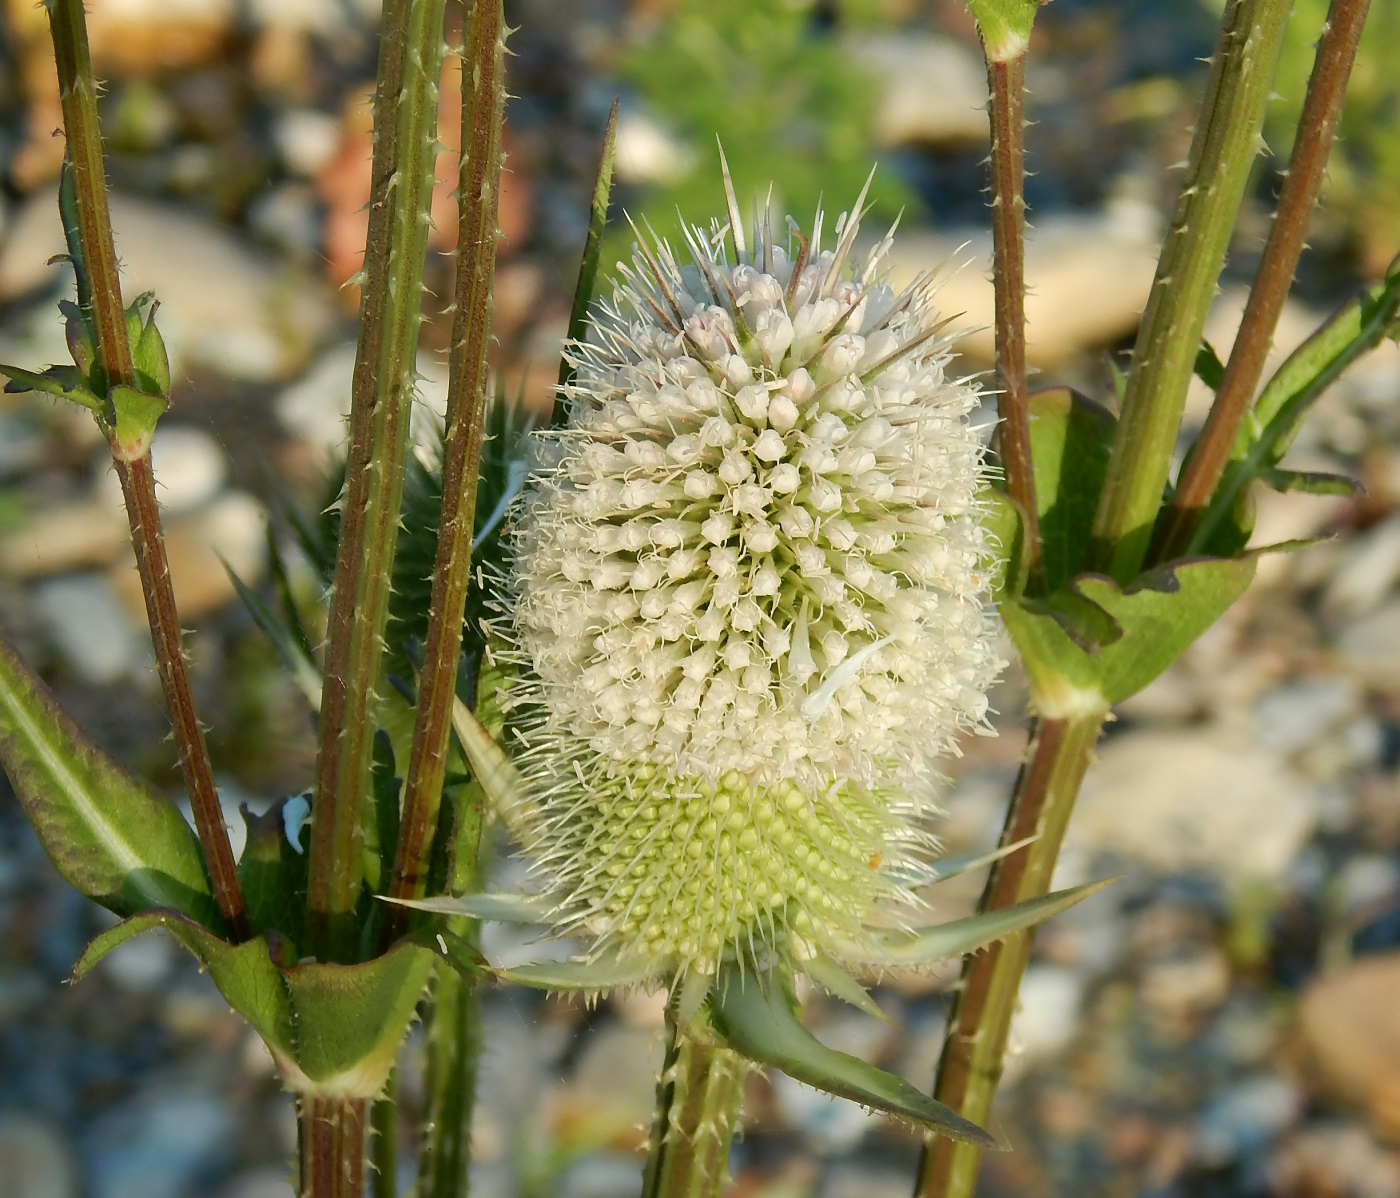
{"points": [[331, 1132], [1317, 127]]}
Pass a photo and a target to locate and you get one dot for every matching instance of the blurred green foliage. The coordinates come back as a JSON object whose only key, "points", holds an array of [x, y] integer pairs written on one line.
{"points": [[775, 82], [1363, 180]]}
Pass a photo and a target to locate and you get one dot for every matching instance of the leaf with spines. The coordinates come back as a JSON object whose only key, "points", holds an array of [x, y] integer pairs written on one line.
{"points": [[754, 1014], [106, 833], [332, 1029]]}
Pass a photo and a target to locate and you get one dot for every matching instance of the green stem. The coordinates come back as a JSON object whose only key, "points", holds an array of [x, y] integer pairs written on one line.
{"points": [[452, 1047], [98, 269], [1007, 82], [697, 1111], [971, 1063], [1317, 126], [405, 154], [331, 1136], [483, 99], [384, 1140], [1217, 171]]}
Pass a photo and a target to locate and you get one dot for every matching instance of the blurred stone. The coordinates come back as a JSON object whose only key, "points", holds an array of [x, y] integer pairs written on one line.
{"points": [[1047, 1016], [1185, 984], [1366, 572], [272, 1181], [647, 152], [66, 536], [35, 1160], [232, 530], [307, 140], [159, 1144], [1298, 713], [831, 1125], [1087, 281], [190, 466], [287, 218], [143, 964], [324, 17], [1370, 647], [22, 446], [1160, 797], [140, 38], [1245, 1118], [1350, 1026], [933, 91], [600, 1175], [223, 303], [1334, 1160], [89, 627]]}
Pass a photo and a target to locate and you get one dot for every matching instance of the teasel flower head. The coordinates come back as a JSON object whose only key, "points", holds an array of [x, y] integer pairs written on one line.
{"points": [[751, 600]]}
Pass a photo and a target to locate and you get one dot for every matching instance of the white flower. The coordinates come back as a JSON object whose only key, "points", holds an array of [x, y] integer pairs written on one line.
{"points": [[751, 593]]}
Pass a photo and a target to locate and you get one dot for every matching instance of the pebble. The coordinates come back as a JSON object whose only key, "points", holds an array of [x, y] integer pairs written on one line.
{"points": [[1335, 1160], [66, 536], [224, 304], [141, 965], [90, 628], [1245, 1118], [1047, 1016], [230, 530], [136, 39], [1370, 646], [190, 466], [1087, 281], [831, 1125], [159, 1144], [600, 1175], [1349, 1021], [933, 91], [22, 446], [1156, 796], [648, 152], [1186, 984], [35, 1160], [273, 1181], [1297, 714], [1365, 573], [307, 140]]}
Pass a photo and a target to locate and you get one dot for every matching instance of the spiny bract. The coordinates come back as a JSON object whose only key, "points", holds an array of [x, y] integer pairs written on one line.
{"points": [[751, 598]]}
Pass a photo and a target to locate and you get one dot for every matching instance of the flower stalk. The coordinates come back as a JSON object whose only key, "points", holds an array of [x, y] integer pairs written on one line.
{"points": [[1007, 80], [1217, 171], [1317, 127], [405, 153], [483, 99], [128, 434], [697, 1111], [971, 1062], [331, 1134]]}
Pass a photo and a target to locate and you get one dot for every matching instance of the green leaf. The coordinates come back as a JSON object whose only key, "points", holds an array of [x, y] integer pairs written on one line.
{"points": [[1209, 368], [499, 780], [135, 415], [930, 873], [66, 382], [592, 975], [106, 833], [695, 989], [1081, 619], [943, 942], [1071, 438], [304, 670], [588, 264], [1006, 525], [1314, 482], [500, 908], [333, 1029], [1160, 614], [834, 979], [273, 872], [755, 1015], [148, 356], [1004, 26]]}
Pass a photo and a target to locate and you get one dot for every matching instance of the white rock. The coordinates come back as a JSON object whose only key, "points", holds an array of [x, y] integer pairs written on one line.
{"points": [[314, 408], [142, 964], [190, 466], [1047, 1016], [1370, 647], [647, 152], [1366, 572], [231, 530], [933, 91], [1087, 281], [22, 445], [1180, 801], [308, 16], [1299, 713], [90, 628], [35, 1160], [306, 139], [271, 1181], [223, 303], [1245, 1117], [67, 536]]}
